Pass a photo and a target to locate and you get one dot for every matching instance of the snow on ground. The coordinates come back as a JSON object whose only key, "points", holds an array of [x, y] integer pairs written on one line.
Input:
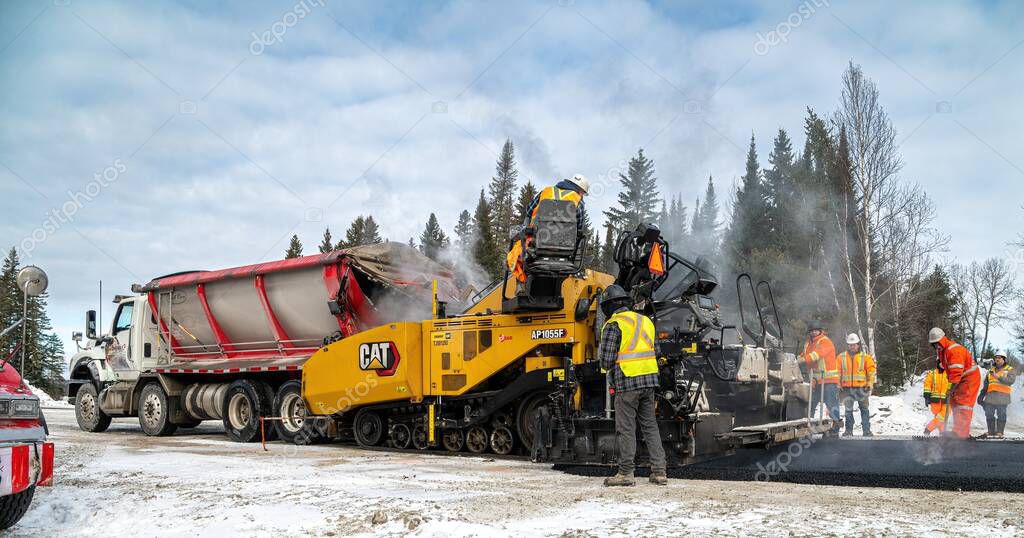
{"points": [[197, 483]]}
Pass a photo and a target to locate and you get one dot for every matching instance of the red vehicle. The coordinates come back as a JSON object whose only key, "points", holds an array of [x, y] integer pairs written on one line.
{"points": [[26, 459]]}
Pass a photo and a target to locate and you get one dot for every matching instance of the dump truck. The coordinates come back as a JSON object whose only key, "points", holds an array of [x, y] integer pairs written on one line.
{"points": [[230, 345], [517, 370]]}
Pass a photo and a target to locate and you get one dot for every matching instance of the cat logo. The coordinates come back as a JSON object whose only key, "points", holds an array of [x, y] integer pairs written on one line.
{"points": [[381, 357]]}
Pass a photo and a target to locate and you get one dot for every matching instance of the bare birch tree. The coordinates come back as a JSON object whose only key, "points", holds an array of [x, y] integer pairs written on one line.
{"points": [[875, 162], [985, 295]]}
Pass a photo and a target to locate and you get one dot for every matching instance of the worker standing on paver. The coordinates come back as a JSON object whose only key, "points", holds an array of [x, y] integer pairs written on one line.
{"points": [[996, 395], [964, 379], [627, 352], [572, 190], [820, 356], [857, 377], [936, 388]]}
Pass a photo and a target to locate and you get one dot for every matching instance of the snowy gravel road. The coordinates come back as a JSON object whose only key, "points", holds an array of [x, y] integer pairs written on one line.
{"points": [[122, 483]]}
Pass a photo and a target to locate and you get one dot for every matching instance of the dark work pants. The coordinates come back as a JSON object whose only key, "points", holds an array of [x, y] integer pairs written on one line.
{"points": [[862, 398], [632, 407], [995, 417]]}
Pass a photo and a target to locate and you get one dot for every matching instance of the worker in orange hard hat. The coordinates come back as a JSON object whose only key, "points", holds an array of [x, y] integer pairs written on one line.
{"points": [[996, 394], [936, 388], [820, 357], [964, 380], [572, 190], [857, 377]]}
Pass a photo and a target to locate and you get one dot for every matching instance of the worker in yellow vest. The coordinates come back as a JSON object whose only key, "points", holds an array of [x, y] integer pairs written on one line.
{"points": [[996, 395], [936, 387], [573, 190], [857, 377], [627, 352]]}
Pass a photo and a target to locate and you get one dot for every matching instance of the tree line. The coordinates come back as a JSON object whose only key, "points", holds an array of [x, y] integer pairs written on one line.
{"points": [[842, 236]]}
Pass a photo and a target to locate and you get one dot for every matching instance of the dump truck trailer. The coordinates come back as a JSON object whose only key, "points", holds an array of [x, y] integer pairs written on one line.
{"points": [[230, 345], [518, 370]]}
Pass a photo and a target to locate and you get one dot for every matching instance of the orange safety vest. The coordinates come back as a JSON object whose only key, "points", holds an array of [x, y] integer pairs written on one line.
{"points": [[555, 193], [856, 371], [997, 379], [820, 356]]}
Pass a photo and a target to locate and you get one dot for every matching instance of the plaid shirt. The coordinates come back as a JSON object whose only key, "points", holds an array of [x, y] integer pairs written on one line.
{"points": [[607, 353]]}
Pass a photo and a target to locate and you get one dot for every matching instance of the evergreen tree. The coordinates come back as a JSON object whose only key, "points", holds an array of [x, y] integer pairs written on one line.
{"points": [[502, 193], [638, 200], [608, 253], [780, 190], [706, 224], [678, 227], [326, 245], [749, 227], [371, 232], [464, 231], [294, 248], [485, 251], [526, 195], [597, 251], [433, 239], [354, 234], [412, 243], [44, 350]]}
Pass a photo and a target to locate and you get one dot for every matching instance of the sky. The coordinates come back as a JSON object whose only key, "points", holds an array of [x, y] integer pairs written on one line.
{"points": [[140, 139]]}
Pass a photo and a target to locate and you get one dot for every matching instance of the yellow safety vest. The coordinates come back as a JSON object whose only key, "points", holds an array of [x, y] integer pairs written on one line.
{"points": [[636, 355], [936, 385], [555, 193], [996, 379]]}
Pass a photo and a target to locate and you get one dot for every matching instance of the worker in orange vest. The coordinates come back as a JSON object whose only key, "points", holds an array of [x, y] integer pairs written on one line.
{"points": [[573, 190], [995, 397], [936, 388], [820, 356], [964, 380], [857, 377]]}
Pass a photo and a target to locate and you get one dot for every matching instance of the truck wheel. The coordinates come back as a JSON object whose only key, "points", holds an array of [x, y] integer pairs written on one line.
{"points": [[288, 405], [154, 416], [87, 410], [13, 507], [244, 403]]}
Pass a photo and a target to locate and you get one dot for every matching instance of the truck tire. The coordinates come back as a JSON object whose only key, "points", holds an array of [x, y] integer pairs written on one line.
{"points": [[87, 410], [13, 507], [245, 402], [288, 405], [154, 414]]}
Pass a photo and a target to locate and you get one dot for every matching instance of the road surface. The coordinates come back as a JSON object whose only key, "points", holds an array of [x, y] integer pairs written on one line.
{"points": [[122, 483]]}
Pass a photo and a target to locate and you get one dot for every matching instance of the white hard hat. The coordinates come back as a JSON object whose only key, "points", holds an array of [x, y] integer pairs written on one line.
{"points": [[935, 335], [580, 181], [853, 338], [1000, 353]]}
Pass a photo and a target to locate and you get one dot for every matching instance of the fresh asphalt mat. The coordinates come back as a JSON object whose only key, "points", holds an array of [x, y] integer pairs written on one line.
{"points": [[912, 463]]}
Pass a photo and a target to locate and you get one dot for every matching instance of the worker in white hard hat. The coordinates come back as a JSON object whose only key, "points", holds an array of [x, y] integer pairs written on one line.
{"points": [[964, 381], [857, 377], [996, 394], [572, 190]]}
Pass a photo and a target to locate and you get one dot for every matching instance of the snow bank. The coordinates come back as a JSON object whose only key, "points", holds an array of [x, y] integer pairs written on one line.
{"points": [[45, 400]]}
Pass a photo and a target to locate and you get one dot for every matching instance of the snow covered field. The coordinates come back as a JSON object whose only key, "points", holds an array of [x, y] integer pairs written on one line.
{"points": [[122, 483]]}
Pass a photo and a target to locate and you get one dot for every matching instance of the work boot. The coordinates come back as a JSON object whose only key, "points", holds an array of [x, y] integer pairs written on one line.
{"points": [[868, 434], [999, 436], [659, 479], [619, 480], [848, 434]]}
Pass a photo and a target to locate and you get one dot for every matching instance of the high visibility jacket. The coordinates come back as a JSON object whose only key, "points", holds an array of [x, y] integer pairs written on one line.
{"points": [[1000, 379], [636, 354], [857, 371], [820, 356], [936, 386], [956, 361], [555, 193]]}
